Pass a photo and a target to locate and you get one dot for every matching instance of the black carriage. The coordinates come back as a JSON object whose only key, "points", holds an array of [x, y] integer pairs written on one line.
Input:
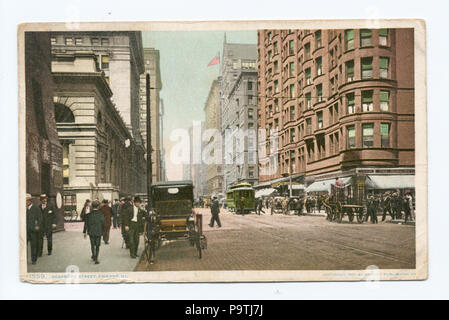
{"points": [[173, 218]]}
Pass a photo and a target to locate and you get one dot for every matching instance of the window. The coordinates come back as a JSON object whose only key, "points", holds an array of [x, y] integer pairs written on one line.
{"points": [[308, 76], [319, 116], [251, 172], [95, 41], [292, 91], [383, 37], [367, 100], [276, 86], [365, 37], [270, 55], [275, 67], [351, 137], [65, 163], [349, 39], [69, 41], [250, 113], [275, 47], [349, 70], [270, 109], [291, 47], [385, 135], [292, 112], [350, 102], [319, 92], [318, 39], [383, 67], [250, 85], [104, 41], [319, 66], [308, 101], [292, 135], [78, 41], [104, 62], [367, 135], [276, 105], [269, 37], [250, 125], [291, 69], [53, 40], [384, 100], [308, 126], [367, 68], [307, 51]]}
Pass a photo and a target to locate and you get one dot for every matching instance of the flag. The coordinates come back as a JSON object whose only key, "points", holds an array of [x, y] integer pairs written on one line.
{"points": [[214, 61]]}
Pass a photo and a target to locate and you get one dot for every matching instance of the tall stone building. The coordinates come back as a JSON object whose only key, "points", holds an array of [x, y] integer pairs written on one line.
{"points": [[214, 171], [102, 95], [238, 109], [336, 103], [100, 157], [152, 66], [43, 149]]}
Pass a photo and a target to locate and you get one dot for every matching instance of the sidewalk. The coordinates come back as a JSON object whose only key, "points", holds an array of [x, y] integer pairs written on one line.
{"points": [[71, 249]]}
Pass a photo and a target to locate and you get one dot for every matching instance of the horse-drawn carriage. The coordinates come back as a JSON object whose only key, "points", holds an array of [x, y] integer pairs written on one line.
{"points": [[173, 218], [345, 200]]}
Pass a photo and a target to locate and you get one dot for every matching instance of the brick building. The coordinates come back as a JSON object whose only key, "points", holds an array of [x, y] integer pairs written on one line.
{"points": [[43, 150], [340, 101]]}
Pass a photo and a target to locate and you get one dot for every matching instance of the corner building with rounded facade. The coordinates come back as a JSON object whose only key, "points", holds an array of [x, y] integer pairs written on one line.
{"points": [[341, 101]]}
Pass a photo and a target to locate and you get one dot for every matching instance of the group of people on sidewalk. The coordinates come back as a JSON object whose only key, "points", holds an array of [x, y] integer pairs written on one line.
{"points": [[126, 214], [40, 223]]}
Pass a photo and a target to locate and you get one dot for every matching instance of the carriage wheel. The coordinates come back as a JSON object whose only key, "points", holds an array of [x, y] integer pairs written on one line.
{"points": [[198, 246], [360, 216], [339, 216], [351, 216]]}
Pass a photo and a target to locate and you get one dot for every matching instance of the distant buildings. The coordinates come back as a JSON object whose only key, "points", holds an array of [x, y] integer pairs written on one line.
{"points": [[238, 108], [214, 169], [341, 102], [44, 168], [152, 66]]}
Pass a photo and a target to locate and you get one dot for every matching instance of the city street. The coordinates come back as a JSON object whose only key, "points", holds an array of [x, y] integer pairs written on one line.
{"points": [[280, 242]]}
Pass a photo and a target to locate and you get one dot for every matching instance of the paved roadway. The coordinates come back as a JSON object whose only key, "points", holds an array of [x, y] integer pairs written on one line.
{"points": [[280, 242], [71, 249]]}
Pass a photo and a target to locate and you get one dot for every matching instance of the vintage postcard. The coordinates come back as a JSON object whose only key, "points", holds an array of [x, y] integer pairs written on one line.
{"points": [[243, 151]]}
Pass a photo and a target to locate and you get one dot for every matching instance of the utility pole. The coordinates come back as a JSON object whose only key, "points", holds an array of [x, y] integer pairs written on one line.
{"points": [[149, 147]]}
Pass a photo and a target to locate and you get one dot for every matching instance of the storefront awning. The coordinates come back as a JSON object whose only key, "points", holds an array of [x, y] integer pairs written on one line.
{"points": [[264, 192], [390, 182], [325, 185]]}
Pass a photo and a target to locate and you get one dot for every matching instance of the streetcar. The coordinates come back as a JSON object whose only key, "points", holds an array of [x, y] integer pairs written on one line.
{"points": [[240, 198]]}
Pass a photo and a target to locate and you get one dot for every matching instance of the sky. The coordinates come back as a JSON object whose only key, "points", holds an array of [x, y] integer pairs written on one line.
{"points": [[186, 78]]}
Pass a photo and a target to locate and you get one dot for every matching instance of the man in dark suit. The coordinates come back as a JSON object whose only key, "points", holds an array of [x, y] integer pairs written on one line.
{"points": [[215, 210], [33, 224], [115, 208], [94, 226], [125, 204], [133, 225], [48, 224]]}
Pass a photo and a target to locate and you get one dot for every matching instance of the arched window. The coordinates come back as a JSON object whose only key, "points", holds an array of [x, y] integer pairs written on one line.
{"points": [[63, 114]]}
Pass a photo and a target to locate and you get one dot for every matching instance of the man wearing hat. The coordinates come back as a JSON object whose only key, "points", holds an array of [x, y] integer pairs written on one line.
{"points": [[115, 208], [125, 205], [133, 224], [48, 224], [33, 224], [215, 210], [107, 213], [94, 226]]}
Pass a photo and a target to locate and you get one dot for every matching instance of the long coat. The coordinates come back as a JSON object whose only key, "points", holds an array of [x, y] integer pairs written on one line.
{"points": [[107, 212], [48, 217], [94, 223], [127, 214], [215, 207], [34, 219]]}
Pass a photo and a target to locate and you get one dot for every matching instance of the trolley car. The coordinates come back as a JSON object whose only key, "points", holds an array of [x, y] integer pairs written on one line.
{"points": [[240, 198]]}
